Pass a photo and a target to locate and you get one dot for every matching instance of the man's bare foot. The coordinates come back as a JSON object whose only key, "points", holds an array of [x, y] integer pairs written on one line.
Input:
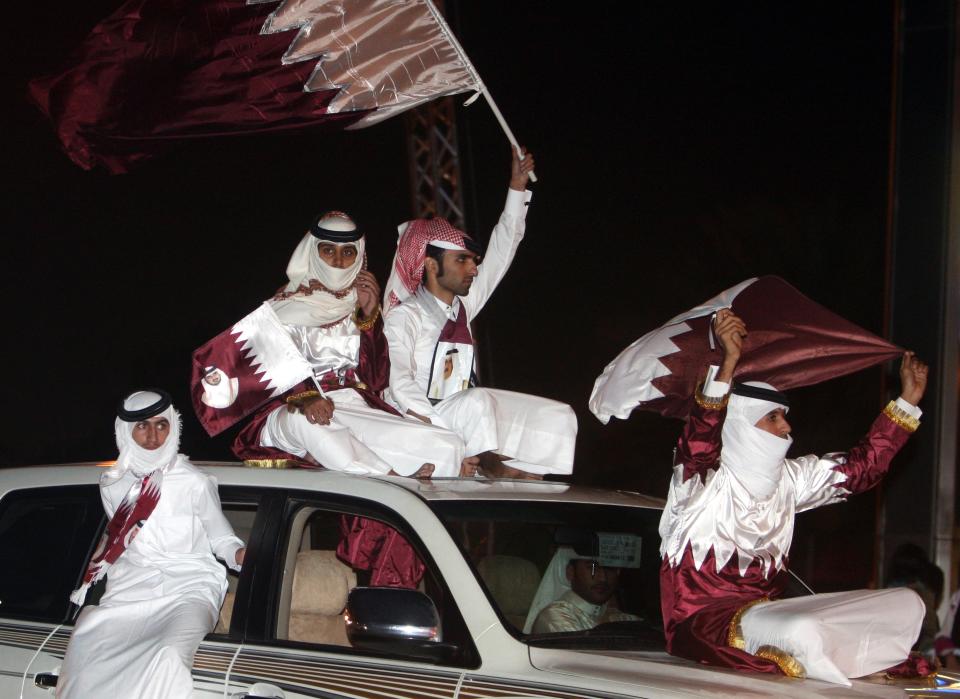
{"points": [[469, 466], [493, 465], [517, 474], [424, 471]]}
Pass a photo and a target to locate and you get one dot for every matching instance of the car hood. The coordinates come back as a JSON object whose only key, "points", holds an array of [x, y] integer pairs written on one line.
{"points": [[659, 672]]}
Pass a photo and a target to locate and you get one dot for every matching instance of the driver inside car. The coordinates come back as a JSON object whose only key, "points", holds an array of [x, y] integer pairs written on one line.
{"points": [[575, 595]]}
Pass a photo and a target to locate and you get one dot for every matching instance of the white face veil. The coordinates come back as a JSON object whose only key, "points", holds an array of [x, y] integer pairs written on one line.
{"points": [[133, 457], [301, 303], [754, 456]]}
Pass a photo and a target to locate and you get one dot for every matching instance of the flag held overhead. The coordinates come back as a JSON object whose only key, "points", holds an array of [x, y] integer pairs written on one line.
{"points": [[792, 342], [158, 71]]}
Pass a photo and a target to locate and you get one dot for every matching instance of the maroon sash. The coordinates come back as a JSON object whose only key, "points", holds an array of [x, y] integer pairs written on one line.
{"points": [[137, 506]]}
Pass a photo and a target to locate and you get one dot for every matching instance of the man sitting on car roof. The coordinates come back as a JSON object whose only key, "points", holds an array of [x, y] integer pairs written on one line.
{"points": [[728, 523], [436, 287], [323, 329]]}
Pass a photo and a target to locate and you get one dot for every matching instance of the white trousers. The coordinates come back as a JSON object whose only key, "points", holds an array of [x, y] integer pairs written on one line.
{"points": [[538, 434], [136, 649], [839, 634], [361, 439]]}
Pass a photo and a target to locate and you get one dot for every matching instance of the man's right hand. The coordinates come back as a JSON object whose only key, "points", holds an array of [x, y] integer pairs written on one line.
{"points": [[730, 331], [520, 169], [318, 411]]}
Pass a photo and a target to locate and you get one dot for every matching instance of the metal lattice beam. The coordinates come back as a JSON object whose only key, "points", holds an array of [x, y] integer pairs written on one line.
{"points": [[435, 181]]}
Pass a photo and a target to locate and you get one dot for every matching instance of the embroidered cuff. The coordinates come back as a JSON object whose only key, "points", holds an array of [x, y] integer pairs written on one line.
{"points": [[901, 417], [709, 397], [298, 399], [364, 325], [735, 631], [270, 463], [789, 665]]}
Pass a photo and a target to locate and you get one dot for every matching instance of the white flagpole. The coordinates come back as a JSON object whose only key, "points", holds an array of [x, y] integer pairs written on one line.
{"points": [[503, 124], [480, 87]]}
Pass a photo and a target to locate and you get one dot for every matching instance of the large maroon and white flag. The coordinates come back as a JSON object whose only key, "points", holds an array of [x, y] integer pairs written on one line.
{"points": [[157, 71], [242, 368], [791, 342]]}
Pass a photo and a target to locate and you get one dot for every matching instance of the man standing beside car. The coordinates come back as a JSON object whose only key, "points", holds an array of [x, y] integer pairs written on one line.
{"points": [[164, 585], [728, 524]]}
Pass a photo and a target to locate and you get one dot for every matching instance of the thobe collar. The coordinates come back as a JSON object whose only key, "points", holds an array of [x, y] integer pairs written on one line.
{"points": [[593, 610], [437, 309], [449, 310]]}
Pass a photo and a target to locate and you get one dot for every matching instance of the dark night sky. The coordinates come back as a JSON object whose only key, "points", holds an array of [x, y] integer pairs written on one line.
{"points": [[682, 147]]}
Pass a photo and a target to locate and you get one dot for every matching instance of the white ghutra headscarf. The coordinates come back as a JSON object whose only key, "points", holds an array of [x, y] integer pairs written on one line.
{"points": [[133, 457], [316, 293], [754, 456]]}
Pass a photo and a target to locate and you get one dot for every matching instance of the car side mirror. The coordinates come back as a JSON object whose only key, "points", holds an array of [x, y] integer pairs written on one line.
{"points": [[396, 621]]}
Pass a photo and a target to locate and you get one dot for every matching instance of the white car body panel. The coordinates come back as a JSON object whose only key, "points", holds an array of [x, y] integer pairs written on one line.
{"points": [[510, 667]]}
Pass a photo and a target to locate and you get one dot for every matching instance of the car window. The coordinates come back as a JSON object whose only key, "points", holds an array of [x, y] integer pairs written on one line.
{"points": [[46, 537], [241, 516], [329, 551], [524, 554]]}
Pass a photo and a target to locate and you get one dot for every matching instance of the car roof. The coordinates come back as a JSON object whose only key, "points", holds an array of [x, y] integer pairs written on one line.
{"points": [[437, 489]]}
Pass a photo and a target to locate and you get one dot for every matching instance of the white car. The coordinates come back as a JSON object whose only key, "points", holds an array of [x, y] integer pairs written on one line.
{"points": [[283, 631]]}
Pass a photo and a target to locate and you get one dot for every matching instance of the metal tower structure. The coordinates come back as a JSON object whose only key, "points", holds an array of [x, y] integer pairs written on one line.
{"points": [[434, 159]]}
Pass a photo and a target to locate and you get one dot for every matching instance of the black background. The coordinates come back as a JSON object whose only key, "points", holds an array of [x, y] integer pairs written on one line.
{"points": [[681, 148]]}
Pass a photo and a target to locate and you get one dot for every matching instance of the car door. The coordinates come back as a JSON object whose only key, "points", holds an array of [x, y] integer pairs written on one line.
{"points": [[46, 536], [294, 638], [255, 516]]}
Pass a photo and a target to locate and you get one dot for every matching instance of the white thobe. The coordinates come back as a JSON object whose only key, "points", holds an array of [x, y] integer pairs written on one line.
{"points": [[539, 434], [163, 595], [573, 613], [359, 439]]}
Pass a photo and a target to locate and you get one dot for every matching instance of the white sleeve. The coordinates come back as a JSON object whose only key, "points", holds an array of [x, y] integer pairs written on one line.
{"points": [[402, 328], [223, 541], [909, 408], [501, 248], [713, 388]]}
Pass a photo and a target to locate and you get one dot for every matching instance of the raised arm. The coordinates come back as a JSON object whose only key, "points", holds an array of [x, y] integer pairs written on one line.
{"points": [[831, 477], [505, 238], [867, 462], [699, 446]]}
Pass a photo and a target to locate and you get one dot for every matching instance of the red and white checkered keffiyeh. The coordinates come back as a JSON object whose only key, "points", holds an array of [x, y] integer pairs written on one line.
{"points": [[407, 270]]}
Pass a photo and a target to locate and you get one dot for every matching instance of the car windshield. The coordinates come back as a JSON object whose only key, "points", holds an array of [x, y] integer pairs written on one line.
{"points": [[565, 574]]}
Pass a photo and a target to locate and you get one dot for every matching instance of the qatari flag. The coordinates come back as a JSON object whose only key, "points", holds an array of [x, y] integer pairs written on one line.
{"points": [[157, 71], [791, 342], [242, 368]]}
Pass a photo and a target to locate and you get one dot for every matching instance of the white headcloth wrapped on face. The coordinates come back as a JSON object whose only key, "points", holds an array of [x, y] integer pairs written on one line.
{"points": [[317, 293], [136, 407], [754, 455]]}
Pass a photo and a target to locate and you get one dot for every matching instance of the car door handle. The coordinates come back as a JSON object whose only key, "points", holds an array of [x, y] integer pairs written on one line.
{"points": [[45, 680], [260, 690]]}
